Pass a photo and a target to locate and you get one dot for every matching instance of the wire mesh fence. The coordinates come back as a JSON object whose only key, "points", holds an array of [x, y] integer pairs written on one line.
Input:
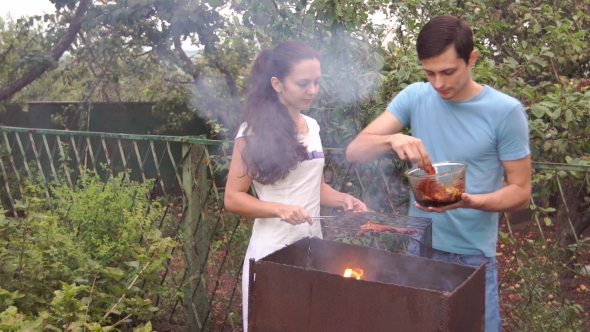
{"points": [[202, 275], [203, 271]]}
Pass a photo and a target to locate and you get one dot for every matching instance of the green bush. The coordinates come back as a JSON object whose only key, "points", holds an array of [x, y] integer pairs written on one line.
{"points": [[90, 263]]}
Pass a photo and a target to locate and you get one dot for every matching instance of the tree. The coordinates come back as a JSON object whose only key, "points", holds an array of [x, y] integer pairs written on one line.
{"points": [[536, 52], [121, 51], [132, 50], [36, 69]]}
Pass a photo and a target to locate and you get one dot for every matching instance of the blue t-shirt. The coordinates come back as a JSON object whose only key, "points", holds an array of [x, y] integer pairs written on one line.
{"points": [[482, 131]]}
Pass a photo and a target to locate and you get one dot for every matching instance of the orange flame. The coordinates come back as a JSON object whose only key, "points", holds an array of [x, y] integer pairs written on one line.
{"points": [[356, 273]]}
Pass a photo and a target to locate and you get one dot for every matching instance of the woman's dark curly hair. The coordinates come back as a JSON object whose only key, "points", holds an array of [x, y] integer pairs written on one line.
{"points": [[272, 149]]}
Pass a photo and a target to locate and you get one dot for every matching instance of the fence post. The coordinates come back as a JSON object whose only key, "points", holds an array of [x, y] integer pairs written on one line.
{"points": [[195, 235]]}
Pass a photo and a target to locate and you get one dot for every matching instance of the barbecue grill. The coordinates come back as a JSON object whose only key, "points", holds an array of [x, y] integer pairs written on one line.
{"points": [[303, 287], [406, 230]]}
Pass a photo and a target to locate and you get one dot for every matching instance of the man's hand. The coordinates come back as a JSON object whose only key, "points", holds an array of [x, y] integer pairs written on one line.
{"points": [[410, 148], [514, 196], [467, 202], [375, 139]]}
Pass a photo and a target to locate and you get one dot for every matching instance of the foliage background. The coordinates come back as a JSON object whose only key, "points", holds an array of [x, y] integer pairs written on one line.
{"points": [[132, 50]]}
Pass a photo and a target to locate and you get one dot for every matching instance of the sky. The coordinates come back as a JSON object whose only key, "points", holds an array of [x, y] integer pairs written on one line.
{"points": [[25, 7], [40, 7]]}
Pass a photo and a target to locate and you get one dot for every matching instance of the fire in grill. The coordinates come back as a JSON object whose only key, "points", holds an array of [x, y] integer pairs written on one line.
{"points": [[351, 288], [353, 273], [391, 232]]}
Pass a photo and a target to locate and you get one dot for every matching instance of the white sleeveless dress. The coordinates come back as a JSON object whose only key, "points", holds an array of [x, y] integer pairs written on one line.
{"points": [[300, 187]]}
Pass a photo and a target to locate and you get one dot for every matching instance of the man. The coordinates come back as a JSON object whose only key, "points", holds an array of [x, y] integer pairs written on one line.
{"points": [[453, 118]]}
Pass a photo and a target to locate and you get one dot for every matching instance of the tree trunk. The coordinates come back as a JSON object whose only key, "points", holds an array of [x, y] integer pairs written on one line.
{"points": [[231, 83], [577, 211], [15, 86]]}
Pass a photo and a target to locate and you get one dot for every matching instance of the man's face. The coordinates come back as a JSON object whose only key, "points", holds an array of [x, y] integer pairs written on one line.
{"points": [[449, 74]]}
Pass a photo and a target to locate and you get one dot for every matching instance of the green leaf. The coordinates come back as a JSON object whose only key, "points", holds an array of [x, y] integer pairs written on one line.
{"points": [[143, 259], [145, 328], [118, 290], [569, 116], [214, 3], [512, 63], [547, 221], [539, 110], [537, 28], [21, 205], [51, 327], [93, 264], [151, 277], [377, 97], [37, 215], [555, 114], [31, 325], [114, 272], [134, 264], [9, 268], [411, 25], [74, 326]]}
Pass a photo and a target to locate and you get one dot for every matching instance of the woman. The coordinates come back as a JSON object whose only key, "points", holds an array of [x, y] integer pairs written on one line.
{"points": [[279, 150]]}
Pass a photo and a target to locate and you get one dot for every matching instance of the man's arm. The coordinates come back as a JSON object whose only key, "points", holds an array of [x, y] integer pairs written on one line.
{"points": [[374, 140], [516, 195], [383, 135]]}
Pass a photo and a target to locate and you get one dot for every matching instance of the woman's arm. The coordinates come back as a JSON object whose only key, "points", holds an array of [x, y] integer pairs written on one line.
{"points": [[332, 198], [238, 200]]}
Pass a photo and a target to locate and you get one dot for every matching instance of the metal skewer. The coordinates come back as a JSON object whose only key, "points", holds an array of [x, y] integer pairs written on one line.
{"points": [[319, 218]]}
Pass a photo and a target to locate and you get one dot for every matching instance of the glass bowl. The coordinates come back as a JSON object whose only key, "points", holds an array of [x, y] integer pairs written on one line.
{"points": [[440, 189]]}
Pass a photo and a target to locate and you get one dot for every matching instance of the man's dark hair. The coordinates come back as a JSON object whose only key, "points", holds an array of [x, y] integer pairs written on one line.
{"points": [[440, 33]]}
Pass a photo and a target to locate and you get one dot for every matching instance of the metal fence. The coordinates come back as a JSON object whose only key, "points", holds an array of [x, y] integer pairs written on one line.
{"points": [[189, 183], [206, 267]]}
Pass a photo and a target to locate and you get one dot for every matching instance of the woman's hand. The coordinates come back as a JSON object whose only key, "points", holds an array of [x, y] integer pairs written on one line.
{"points": [[293, 214], [351, 203], [332, 198]]}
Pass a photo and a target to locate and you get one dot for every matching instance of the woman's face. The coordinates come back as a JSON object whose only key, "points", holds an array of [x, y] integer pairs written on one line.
{"points": [[298, 90]]}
